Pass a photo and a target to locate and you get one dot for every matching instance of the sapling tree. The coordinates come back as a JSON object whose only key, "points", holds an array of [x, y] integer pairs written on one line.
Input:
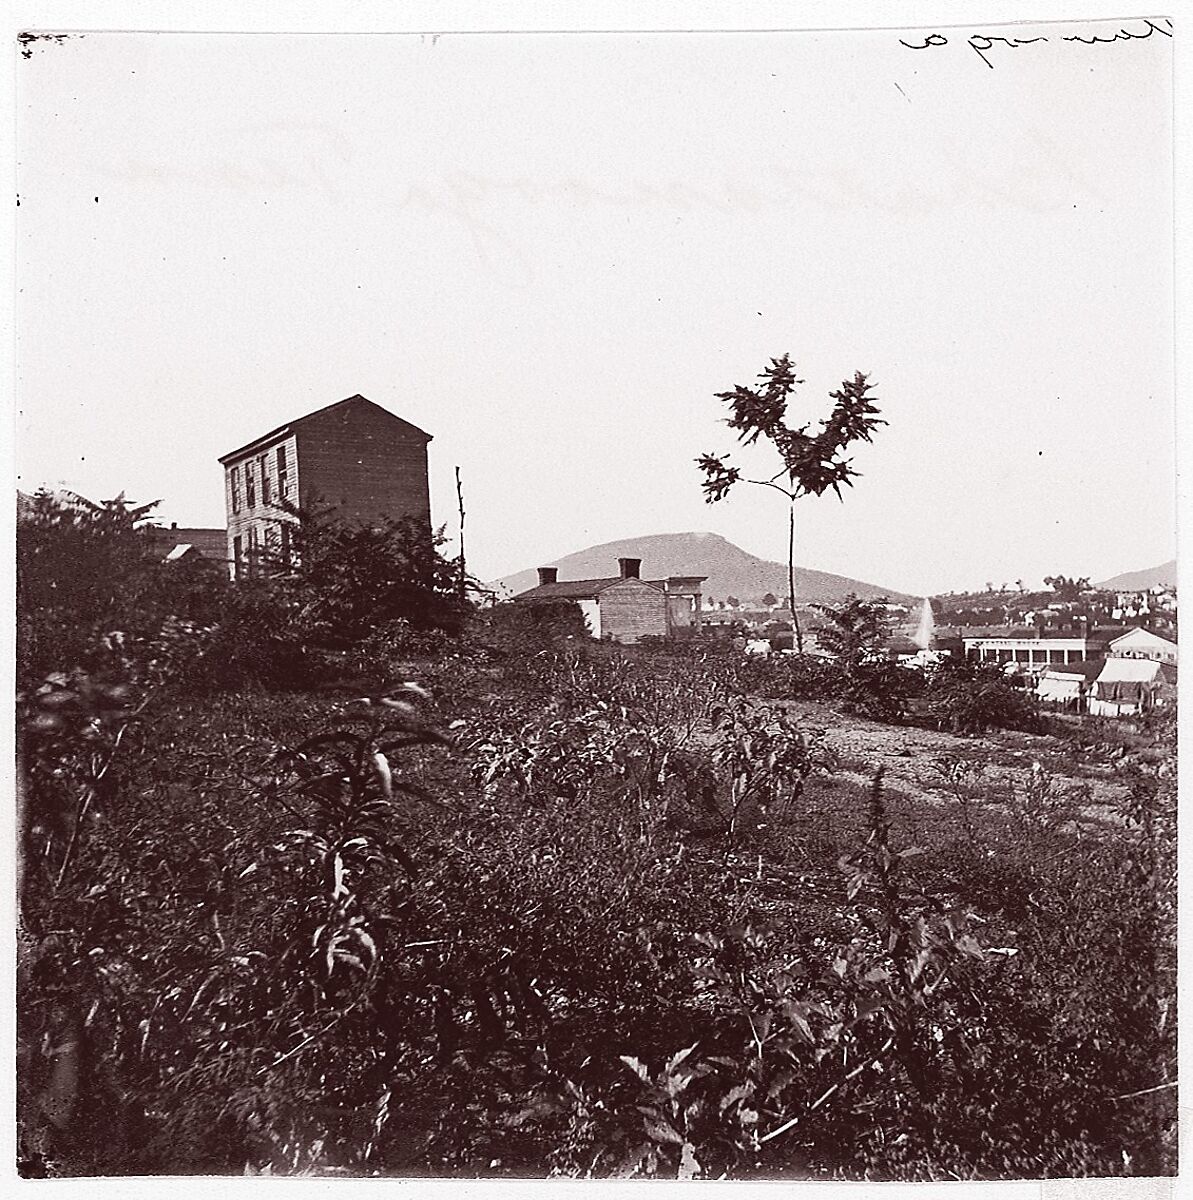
{"points": [[811, 462]]}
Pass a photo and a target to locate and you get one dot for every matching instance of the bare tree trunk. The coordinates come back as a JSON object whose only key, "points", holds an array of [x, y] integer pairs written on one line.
{"points": [[799, 637], [461, 584]]}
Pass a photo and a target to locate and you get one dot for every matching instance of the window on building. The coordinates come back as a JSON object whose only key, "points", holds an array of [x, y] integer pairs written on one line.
{"points": [[282, 473], [254, 548], [234, 485], [284, 542], [261, 462], [250, 485], [238, 557]]}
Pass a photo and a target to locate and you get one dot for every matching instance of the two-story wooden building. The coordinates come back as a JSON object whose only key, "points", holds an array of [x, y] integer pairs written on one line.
{"points": [[353, 456]]}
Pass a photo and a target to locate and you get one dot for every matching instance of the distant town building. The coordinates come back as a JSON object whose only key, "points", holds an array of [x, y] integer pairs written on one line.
{"points": [[1039, 647], [353, 456], [1029, 650], [175, 544], [1143, 643], [170, 545], [625, 607]]}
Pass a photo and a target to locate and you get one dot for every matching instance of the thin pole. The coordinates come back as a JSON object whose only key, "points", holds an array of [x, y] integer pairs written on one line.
{"points": [[799, 637], [461, 583]]}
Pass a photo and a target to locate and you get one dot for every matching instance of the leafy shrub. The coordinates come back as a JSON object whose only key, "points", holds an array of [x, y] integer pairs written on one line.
{"points": [[263, 638], [763, 757], [93, 593], [877, 689], [790, 677], [968, 697], [350, 578], [790, 1061], [515, 631]]}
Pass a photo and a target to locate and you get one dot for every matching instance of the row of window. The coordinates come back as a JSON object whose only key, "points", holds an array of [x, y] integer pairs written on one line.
{"points": [[1032, 656], [261, 548], [258, 469]]}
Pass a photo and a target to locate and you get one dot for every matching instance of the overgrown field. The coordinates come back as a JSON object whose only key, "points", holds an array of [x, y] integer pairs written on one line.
{"points": [[535, 906]]}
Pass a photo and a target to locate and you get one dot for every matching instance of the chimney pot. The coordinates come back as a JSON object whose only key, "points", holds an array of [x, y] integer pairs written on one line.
{"points": [[547, 575], [630, 568]]}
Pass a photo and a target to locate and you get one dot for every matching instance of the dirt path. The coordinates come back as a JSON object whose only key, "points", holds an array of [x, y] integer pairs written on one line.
{"points": [[907, 755]]}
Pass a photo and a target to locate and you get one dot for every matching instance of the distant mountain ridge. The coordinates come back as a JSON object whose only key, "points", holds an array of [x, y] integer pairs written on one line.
{"points": [[1135, 581], [730, 570]]}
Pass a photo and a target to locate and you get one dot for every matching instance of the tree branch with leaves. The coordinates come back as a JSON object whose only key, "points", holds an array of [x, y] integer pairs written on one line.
{"points": [[812, 462]]}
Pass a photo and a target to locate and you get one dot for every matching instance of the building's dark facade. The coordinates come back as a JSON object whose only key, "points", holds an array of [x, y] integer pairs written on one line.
{"points": [[353, 456]]}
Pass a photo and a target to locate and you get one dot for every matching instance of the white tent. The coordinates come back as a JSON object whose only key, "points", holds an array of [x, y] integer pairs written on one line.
{"points": [[1126, 686]]}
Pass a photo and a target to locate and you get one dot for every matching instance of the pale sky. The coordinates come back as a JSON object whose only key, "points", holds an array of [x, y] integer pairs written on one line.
{"points": [[551, 250]]}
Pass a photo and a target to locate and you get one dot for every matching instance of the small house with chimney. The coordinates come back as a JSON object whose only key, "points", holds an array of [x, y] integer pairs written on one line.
{"points": [[625, 607]]}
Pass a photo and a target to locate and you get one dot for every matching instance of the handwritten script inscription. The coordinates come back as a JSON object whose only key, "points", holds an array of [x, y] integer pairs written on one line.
{"points": [[983, 44]]}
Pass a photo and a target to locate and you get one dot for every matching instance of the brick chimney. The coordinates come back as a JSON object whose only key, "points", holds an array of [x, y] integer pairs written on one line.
{"points": [[630, 568], [547, 575]]}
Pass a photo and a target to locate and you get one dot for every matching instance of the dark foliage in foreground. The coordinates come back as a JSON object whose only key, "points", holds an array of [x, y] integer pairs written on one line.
{"points": [[519, 904], [626, 922]]}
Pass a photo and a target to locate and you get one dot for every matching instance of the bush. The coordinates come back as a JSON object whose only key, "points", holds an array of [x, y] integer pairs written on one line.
{"points": [[92, 591], [967, 697], [877, 689], [350, 578], [509, 630], [790, 677], [93, 595], [264, 637]]}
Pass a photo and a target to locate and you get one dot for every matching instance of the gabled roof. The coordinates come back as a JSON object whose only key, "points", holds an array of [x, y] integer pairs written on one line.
{"points": [[579, 589], [1089, 669], [1129, 670], [292, 426], [572, 589], [211, 543], [1148, 633], [1021, 633]]}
